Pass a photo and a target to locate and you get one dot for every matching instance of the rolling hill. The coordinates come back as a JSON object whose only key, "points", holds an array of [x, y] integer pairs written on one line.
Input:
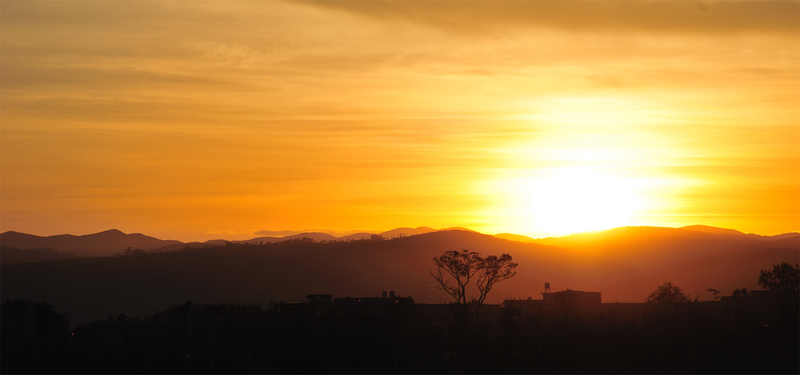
{"points": [[624, 264], [110, 242]]}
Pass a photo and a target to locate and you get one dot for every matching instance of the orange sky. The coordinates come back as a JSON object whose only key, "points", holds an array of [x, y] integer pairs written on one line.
{"points": [[199, 120]]}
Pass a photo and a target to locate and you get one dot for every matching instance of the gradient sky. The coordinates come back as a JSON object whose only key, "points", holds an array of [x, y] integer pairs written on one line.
{"points": [[200, 120]]}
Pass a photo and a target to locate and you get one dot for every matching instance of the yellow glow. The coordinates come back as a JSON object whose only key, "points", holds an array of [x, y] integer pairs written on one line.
{"points": [[573, 198], [576, 199], [596, 111], [530, 117]]}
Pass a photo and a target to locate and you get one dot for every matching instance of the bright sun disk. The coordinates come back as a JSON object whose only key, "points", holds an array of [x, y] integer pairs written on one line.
{"points": [[567, 200]]}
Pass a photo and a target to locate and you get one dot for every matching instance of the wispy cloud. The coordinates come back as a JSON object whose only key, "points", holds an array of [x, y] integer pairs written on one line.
{"points": [[476, 17], [336, 115]]}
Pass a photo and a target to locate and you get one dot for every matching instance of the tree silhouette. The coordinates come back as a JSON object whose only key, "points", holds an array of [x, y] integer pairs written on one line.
{"points": [[491, 270], [783, 278], [455, 269], [783, 283], [666, 301], [36, 323], [460, 266], [714, 292]]}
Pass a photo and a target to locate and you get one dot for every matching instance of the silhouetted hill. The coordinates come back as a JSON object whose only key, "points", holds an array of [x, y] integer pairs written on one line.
{"points": [[515, 237], [715, 230], [13, 255], [105, 243], [405, 231], [786, 236], [457, 228], [317, 237], [625, 265], [312, 235], [656, 245], [785, 241], [356, 236], [695, 260]]}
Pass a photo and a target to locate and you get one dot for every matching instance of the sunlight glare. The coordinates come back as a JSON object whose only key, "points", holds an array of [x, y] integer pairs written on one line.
{"points": [[571, 199]]}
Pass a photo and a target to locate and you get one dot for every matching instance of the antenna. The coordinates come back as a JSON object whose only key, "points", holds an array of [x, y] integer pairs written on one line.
{"points": [[547, 287]]}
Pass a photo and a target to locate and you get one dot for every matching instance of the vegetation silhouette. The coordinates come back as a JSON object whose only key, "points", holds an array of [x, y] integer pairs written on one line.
{"points": [[91, 288], [783, 278], [666, 302], [783, 284], [12, 255], [751, 335], [34, 338], [455, 270]]}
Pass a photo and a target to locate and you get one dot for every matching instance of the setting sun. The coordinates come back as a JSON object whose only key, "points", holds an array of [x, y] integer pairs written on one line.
{"points": [[563, 200], [576, 199], [294, 116], [337, 186]]}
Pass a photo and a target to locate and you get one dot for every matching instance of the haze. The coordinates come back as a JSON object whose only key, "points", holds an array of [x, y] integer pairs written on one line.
{"points": [[200, 120]]}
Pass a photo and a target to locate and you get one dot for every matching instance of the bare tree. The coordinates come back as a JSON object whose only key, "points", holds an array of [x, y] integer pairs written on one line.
{"points": [[460, 266], [492, 269], [715, 293], [455, 269]]}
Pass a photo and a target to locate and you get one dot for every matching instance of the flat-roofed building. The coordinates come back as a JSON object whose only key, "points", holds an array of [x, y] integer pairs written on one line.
{"points": [[581, 297]]}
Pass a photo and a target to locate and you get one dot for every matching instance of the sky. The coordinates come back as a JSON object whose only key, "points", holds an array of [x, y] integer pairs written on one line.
{"points": [[208, 119]]}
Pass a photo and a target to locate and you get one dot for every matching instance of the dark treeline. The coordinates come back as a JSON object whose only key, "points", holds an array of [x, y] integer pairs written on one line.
{"points": [[13, 255], [746, 332], [146, 282]]}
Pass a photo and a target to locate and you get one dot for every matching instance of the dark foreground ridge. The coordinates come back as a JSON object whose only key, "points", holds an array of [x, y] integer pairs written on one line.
{"points": [[109, 311], [144, 282], [565, 332]]}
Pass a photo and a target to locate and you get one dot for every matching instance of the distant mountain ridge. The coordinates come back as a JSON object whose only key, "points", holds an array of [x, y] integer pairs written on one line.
{"points": [[715, 230], [105, 243], [515, 237], [113, 242], [625, 264]]}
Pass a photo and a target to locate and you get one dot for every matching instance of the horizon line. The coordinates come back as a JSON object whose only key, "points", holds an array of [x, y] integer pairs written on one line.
{"points": [[353, 232]]}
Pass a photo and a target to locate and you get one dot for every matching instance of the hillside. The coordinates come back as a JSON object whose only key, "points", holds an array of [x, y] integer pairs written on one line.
{"points": [[110, 242], [708, 229], [312, 235], [13, 255], [92, 288], [405, 231], [515, 237]]}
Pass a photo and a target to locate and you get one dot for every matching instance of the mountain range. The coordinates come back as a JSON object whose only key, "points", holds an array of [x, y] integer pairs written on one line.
{"points": [[624, 264], [113, 242]]}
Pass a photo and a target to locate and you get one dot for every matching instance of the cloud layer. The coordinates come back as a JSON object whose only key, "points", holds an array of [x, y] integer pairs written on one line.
{"points": [[185, 119]]}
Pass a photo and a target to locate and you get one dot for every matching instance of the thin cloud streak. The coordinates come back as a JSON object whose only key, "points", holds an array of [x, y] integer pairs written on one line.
{"points": [[302, 115]]}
